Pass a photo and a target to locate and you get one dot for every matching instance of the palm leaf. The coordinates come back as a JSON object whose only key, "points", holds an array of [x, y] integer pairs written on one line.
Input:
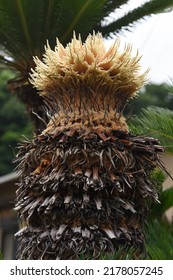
{"points": [[111, 6], [166, 200], [80, 10], [157, 122], [126, 21], [165, 196], [26, 25], [159, 237], [122, 253]]}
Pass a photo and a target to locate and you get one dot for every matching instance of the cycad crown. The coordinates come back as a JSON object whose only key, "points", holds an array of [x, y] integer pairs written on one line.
{"points": [[85, 180], [87, 84]]}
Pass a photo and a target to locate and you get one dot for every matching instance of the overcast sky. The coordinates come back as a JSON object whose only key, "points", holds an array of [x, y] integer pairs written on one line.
{"points": [[153, 38]]}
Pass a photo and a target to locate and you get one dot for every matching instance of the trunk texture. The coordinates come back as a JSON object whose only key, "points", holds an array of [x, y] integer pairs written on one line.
{"points": [[84, 195]]}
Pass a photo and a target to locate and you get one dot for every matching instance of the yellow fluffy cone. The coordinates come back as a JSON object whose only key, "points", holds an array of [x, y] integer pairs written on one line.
{"points": [[85, 79]]}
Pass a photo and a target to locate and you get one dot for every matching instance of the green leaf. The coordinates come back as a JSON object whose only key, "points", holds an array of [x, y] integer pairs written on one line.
{"points": [[157, 122], [122, 253], [166, 199], [24, 25], [81, 16], [159, 240], [126, 21]]}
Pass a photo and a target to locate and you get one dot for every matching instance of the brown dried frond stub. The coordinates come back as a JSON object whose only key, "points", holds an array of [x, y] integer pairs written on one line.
{"points": [[84, 195], [85, 76]]}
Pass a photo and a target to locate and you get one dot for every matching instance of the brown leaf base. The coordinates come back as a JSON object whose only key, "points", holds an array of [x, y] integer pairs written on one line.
{"points": [[84, 194]]}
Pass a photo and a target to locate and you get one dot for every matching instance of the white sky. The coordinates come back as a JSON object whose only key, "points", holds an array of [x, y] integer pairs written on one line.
{"points": [[153, 37]]}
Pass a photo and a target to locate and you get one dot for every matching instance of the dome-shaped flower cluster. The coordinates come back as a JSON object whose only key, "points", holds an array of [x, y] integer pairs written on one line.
{"points": [[88, 65], [87, 84]]}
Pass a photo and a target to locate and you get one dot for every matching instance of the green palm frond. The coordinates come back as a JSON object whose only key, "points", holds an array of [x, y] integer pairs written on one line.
{"points": [[122, 253], [148, 8], [159, 238], [111, 6], [170, 86], [155, 121], [26, 25], [166, 199], [157, 210]]}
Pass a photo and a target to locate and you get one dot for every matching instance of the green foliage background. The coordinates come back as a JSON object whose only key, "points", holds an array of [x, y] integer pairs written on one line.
{"points": [[14, 123], [151, 95]]}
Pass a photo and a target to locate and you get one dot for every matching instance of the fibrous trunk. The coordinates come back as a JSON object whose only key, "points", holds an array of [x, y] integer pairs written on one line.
{"points": [[85, 180]]}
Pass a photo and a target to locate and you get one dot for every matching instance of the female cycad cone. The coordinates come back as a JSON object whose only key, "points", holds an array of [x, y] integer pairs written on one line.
{"points": [[85, 180]]}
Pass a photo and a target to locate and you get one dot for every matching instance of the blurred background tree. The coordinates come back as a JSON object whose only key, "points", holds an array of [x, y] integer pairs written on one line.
{"points": [[14, 123], [151, 95]]}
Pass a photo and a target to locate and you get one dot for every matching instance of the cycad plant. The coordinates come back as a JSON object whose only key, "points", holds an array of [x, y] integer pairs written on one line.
{"points": [[85, 180]]}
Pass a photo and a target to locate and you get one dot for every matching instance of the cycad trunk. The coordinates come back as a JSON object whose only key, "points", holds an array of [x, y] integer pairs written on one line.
{"points": [[85, 180]]}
